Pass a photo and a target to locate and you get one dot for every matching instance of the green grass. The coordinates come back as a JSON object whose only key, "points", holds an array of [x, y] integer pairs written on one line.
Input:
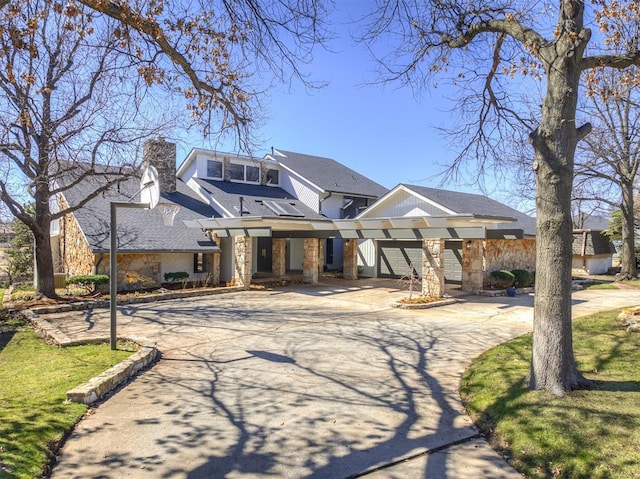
{"points": [[586, 434], [34, 378], [599, 286]]}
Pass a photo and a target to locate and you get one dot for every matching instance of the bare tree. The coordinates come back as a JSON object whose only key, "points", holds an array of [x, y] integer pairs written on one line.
{"points": [[610, 157], [88, 81], [494, 42]]}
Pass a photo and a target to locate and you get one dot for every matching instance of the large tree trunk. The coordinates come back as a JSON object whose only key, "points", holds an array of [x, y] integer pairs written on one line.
{"points": [[44, 261], [552, 365], [42, 235], [627, 256]]}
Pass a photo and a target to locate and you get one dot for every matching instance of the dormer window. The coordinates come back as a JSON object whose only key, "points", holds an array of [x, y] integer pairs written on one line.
{"points": [[244, 173], [214, 169], [273, 177]]}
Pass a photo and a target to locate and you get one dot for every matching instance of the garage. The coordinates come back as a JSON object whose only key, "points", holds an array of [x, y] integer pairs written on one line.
{"points": [[395, 258], [453, 262]]}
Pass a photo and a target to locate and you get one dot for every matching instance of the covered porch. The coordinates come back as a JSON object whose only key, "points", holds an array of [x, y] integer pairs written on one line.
{"points": [[241, 235]]}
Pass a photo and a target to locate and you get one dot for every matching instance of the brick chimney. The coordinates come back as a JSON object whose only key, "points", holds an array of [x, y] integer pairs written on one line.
{"points": [[162, 154]]}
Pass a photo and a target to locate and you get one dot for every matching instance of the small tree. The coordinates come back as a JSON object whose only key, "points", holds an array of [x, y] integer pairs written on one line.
{"points": [[20, 252]]}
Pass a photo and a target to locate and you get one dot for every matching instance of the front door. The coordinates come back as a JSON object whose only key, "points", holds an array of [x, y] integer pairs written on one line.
{"points": [[264, 254]]}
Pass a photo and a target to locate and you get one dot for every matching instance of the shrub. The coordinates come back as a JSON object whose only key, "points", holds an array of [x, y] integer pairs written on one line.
{"points": [[177, 276], [523, 278], [87, 281], [502, 278]]}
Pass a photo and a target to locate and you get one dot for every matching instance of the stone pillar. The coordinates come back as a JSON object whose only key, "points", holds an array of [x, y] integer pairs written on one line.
{"points": [[472, 265], [433, 267], [321, 246], [242, 250], [278, 257], [162, 155], [215, 268], [350, 259], [310, 262]]}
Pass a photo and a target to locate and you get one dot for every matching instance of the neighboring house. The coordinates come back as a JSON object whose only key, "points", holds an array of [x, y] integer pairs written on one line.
{"points": [[592, 250], [147, 249], [507, 240], [286, 186]]}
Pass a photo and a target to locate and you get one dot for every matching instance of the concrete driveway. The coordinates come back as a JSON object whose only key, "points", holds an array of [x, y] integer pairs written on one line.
{"points": [[320, 381]]}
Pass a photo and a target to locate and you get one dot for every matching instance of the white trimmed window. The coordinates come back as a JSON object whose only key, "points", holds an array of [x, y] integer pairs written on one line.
{"points": [[214, 169]]}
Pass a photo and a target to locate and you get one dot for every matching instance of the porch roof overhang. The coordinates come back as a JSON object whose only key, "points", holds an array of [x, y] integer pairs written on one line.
{"points": [[409, 228]]}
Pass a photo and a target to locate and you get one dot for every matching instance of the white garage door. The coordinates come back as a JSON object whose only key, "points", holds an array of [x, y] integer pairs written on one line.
{"points": [[453, 262], [395, 258]]}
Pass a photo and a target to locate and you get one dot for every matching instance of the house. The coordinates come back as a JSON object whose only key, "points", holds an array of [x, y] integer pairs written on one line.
{"points": [[240, 217], [506, 242], [291, 189], [592, 249], [147, 248]]}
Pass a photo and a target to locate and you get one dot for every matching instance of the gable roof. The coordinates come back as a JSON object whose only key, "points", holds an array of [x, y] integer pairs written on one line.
{"points": [[328, 174], [454, 202], [227, 194], [593, 243], [139, 230]]}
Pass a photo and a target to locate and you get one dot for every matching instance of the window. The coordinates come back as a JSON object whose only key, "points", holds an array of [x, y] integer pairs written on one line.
{"points": [[214, 169], [273, 177], [199, 263], [252, 174], [247, 173], [236, 172]]}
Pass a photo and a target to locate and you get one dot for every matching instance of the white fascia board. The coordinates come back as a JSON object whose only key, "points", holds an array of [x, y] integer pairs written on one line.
{"points": [[191, 156], [380, 202]]}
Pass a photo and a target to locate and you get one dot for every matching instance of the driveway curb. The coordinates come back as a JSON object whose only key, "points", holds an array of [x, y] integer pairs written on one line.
{"points": [[97, 387]]}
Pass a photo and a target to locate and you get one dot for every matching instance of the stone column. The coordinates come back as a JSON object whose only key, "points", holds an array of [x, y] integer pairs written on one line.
{"points": [[433, 267], [310, 262], [278, 257], [350, 259], [321, 246], [215, 268], [242, 251], [472, 265]]}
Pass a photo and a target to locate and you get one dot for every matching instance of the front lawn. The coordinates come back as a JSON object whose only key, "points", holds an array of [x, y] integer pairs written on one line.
{"points": [[586, 434], [34, 378]]}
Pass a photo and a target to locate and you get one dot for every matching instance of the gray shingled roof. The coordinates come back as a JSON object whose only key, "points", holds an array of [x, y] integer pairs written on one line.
{"points": [[596, 243], [330, 175], [140, 229], [469, 203], [228, 194]]}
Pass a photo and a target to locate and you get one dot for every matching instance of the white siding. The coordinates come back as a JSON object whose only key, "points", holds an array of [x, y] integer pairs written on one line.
{"points": [[367, 257], [178, 262], [332, 205], [404, 204], [594, 265], [300, 189], [191, 172], [295, 253]]}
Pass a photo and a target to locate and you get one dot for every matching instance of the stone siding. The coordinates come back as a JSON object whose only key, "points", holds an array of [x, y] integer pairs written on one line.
{"points": [[433, 268], [162, 155], [75, 254], [508, 254], [350, 259], [135, 271], [472, 266], [279, 257], [242, 249], [310, 262]]}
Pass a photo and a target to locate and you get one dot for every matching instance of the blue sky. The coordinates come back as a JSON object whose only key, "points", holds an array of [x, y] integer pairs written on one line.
{"points": [[383, 132]]}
